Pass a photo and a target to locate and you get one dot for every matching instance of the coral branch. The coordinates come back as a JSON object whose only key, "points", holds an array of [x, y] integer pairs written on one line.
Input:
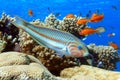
{"points": [[105, 56], [8, 32]]}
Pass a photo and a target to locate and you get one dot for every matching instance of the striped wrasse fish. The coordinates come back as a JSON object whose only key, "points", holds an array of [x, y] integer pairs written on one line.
{"points": [[62, 42]]}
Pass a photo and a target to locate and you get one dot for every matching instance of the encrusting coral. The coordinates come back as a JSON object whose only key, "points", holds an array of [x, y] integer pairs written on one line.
{"points": [[105, 56]]}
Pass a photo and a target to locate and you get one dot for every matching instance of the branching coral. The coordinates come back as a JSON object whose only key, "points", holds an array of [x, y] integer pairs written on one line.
{"points": [[8, 32], [26, 42], [105, 56], [2, 45], [52, 21], [37, 22]]}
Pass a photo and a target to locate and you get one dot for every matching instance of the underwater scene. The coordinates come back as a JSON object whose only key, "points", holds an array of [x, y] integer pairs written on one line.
{"points": [[59, 40]]}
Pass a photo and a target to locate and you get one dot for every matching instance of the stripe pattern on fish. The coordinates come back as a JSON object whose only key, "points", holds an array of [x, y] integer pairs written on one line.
{"points": [[62, 42]]}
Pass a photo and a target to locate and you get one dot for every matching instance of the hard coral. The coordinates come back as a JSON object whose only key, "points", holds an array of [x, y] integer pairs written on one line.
{"points": [[37, 22], [2, 45], [67, 24], [105, 56], [8, 32], [26, 42], [52, 21]]}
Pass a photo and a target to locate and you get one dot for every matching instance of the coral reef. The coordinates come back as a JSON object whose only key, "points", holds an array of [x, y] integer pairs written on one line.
{"points": [[105, 56], [14, 39], [90, 72], [49, 58], [8, 32]]}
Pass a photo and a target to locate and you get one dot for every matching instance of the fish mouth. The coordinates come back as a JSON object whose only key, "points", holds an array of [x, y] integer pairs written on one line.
{"points": [[78, 53]]}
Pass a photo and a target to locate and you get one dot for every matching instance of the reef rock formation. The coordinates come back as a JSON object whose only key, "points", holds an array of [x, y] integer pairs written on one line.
{"points": [[19, 66], [90, 72]]}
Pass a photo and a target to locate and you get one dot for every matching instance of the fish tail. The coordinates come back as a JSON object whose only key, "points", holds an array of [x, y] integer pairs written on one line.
{"points": [[20, 23], [89, 20], [100, 30]]}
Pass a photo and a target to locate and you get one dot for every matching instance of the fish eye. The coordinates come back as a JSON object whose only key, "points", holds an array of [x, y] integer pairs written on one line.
{"points": [[79, 47]]}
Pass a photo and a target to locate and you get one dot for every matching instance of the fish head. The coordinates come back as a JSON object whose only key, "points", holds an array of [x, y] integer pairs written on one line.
{"points": [[78, 51]]}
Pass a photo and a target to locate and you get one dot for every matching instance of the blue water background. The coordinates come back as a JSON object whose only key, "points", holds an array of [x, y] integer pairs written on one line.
{"points": [[40, 10]]}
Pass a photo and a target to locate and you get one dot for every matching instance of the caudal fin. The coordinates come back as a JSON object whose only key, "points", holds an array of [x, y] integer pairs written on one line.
{"points": [[100, 30]]}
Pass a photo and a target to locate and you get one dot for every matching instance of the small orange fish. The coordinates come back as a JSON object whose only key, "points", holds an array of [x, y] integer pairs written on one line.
{"points": [[82, 21], [88, 31], [30, 12], [96, 17], [111, 34], [114, 45], [70, 16]]}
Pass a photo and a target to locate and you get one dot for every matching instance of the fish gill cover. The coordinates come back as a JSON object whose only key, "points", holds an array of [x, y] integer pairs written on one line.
{"points": [[95, 23]]}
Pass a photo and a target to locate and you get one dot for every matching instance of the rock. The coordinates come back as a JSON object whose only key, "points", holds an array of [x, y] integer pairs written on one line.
{"points": [[19, 66], [91, 73]]}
